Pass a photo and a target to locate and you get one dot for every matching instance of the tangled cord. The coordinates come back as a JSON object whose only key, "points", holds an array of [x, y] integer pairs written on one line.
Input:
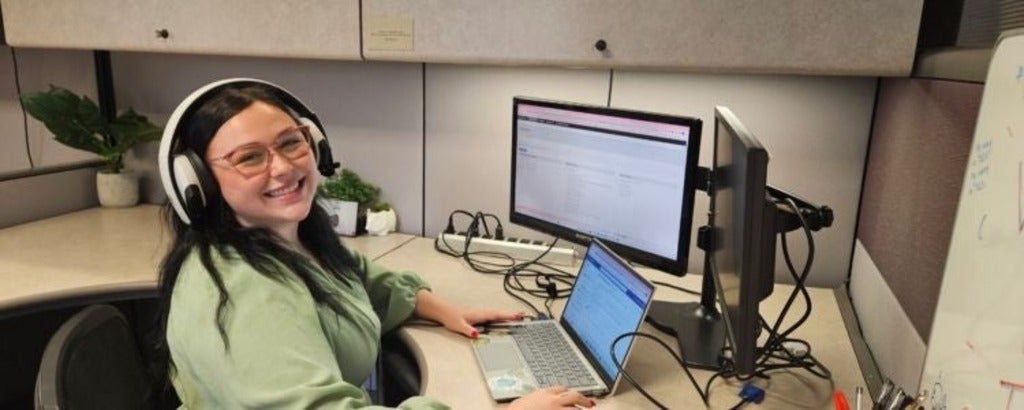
{"points": [[773, 356], [550, 283]]}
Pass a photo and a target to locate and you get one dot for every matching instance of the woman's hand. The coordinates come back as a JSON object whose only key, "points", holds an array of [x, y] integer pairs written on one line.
{"points": [[464, 323], [552, 398], [431, 307]]}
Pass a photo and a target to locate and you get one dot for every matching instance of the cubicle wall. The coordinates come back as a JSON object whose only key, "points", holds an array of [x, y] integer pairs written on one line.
{"points": [[13, 156], [372, 112], [817, 150], [919, 148], [436, 137], [29, 157]]}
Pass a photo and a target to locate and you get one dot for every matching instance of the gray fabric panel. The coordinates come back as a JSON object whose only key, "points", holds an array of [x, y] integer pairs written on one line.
{"points": [[42, 196], [919, 148]]}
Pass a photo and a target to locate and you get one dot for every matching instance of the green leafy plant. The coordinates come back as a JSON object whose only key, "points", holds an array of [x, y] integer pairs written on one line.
{"points": [[348, 186], [76, 121]]}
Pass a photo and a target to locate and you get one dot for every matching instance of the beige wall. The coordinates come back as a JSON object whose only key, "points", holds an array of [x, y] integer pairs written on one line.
{"points": [[26, 147], [436, 137]]}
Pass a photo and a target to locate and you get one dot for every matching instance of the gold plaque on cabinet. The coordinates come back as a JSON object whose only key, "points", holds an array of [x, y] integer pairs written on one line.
{"points": [[389, 34]]}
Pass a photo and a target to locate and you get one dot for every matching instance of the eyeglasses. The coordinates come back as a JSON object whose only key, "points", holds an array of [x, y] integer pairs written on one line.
{"points": [[254, 159]]}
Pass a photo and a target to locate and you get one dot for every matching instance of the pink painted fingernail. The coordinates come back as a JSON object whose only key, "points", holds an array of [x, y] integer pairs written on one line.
{"points": [[474, 334]]}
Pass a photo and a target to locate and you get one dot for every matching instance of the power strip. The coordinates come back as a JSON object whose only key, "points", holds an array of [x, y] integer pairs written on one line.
{"points": [[518, 249]]}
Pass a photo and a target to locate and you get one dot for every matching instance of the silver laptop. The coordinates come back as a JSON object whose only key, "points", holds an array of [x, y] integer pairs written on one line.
{"points": [[608, 299]]}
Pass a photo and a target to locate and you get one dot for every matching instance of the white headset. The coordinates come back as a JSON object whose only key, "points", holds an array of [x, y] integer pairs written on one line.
{"points": [[185, 176]]}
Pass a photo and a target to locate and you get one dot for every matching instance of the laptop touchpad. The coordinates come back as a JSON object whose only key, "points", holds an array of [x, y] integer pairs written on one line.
{"points": [[498, 353]]}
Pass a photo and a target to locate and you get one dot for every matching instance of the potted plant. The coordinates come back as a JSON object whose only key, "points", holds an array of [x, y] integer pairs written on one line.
{"points": [[348, 199], [381, 219], [76, 122]]}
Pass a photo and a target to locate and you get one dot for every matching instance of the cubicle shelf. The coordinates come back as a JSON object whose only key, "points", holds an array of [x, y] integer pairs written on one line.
{"points": [[310, 28], [834, 37]]}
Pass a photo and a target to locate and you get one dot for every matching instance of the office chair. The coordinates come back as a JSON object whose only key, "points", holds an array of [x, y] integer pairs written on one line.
{"points": [[92, 362]]}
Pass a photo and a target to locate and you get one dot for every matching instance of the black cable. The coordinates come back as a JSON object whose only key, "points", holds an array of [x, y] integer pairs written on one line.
{"points": [[481, 219], [774, 355], [24, 115], [611, 80], [512, 272], [776, 338], [629, 378]]}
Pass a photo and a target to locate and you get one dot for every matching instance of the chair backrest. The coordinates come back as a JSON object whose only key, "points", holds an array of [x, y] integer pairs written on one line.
{"points": [[92, 362]]}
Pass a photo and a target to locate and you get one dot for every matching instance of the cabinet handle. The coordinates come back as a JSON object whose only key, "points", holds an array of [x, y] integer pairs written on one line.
{"points": [[163, 33], [600, 45]]}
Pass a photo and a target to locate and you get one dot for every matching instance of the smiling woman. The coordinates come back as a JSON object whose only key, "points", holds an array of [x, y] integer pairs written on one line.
{"points": [[260, 304], [267, 187]]}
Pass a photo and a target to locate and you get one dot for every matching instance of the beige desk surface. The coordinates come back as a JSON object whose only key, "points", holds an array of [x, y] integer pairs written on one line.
{"points": [[450, 372], [100, 254]]}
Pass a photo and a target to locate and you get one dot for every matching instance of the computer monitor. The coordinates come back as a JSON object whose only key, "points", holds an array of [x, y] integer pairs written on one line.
{"points": [[626, 177], [743, 229]]}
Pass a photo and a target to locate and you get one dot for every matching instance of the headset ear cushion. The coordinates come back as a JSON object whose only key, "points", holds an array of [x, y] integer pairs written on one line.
{"points": [[194, 184], [321, 148], [316, 135]]}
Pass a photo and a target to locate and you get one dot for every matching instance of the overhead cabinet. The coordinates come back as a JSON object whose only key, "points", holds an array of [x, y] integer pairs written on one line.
{"points": [[833, 37], [308, 28], [840, 37]]}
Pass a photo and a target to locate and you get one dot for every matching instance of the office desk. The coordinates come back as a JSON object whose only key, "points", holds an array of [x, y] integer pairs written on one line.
{"points": [[51, 267], [99, 255], [450, 372]]}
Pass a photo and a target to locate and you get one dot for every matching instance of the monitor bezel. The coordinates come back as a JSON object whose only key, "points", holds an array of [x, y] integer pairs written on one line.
{"points": [[677, 266], [741, 315]]}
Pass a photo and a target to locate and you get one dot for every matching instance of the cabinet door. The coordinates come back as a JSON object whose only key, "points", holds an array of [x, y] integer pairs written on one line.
{"points": [[863, 37], [309, 28]]}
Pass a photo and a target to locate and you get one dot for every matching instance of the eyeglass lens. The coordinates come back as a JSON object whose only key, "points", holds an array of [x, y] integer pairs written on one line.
{"points": [[253, 159]]}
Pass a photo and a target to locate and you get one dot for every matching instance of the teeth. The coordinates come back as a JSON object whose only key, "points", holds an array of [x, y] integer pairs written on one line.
{"points": [[284, 191]]}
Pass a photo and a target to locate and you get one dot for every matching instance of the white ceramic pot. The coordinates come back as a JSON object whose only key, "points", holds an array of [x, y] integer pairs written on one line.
{"points": [[117, 190], [381, 223], [343, 215]]}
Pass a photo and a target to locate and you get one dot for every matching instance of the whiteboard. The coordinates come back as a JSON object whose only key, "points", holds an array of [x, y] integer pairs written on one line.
{"points": [[975, 357]]}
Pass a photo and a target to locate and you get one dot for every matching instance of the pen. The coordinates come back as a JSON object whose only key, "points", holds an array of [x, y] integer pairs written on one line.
{"points": [[839, 400], [860, 392]]}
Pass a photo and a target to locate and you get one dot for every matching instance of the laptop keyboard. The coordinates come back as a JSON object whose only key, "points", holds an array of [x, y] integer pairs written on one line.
{"points": [[551, 359]]}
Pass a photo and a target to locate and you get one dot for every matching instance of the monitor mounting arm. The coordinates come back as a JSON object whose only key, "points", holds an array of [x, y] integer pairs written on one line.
{"points": [[817, 216], [699, 326]]}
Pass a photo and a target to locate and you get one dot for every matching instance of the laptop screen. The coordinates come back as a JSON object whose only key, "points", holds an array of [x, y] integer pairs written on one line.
{"points": [[608, 300]]}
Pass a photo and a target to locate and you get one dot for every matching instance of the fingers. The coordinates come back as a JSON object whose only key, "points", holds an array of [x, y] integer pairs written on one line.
{"points": [[464, 328], [584, 401], [484, 316], [508, 316], [556, 389], [568, 398]]}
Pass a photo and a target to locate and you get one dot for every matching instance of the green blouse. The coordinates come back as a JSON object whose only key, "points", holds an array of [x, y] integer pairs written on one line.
{"points": [[285, 350]]}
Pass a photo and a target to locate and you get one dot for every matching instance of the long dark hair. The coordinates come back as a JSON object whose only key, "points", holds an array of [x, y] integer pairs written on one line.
{"points": [[220, 231]]}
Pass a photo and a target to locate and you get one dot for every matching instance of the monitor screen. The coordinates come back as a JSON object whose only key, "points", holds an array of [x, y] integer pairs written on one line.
{"points": [[626, 177], [743, 230]]}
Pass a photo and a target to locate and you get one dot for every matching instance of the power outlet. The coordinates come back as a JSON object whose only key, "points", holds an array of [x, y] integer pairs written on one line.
{"points": [[518, 249]]}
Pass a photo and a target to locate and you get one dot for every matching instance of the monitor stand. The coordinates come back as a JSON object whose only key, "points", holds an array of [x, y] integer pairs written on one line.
{"points": [[698, 327]]}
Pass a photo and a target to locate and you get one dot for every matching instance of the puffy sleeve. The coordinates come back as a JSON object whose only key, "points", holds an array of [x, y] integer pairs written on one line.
{"points": [[392, 294], [277, 355]]}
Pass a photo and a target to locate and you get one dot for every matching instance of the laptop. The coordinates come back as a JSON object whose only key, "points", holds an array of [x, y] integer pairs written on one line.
{"points": [[608, 299]]}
